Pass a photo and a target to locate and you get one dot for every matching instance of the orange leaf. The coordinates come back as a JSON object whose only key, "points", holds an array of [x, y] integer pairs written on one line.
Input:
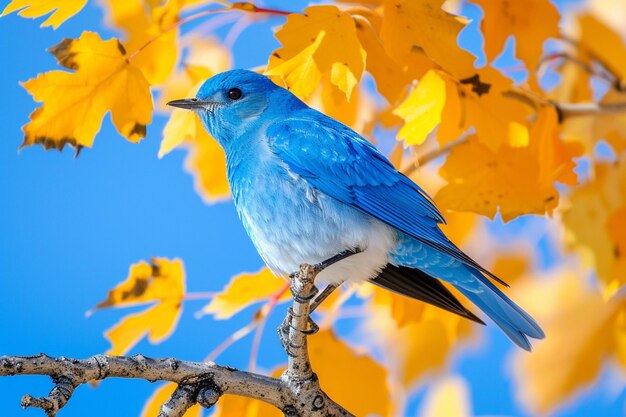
{"points": [[416, 338], [410, 26], [352, 379], [530, 21], [604, 43], [483, 181]]}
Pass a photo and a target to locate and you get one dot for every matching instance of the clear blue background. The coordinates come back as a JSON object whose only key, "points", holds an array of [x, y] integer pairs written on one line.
{"points": [[69, 229]]}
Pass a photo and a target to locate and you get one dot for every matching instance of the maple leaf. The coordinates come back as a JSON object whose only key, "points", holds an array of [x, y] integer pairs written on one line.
{"points": [[162, 282], [485, 106], [589, 130], [422, 110], [391, 79], [74, 103], [311, 40], [585, 331], [481, 180], [242, 291], [352, 379], [416, 337], [349, 377], [160, 397], [358, 112], [530, 21], [205, 158], [300, 74], [603, 44], [594, 222], [412, 26], [147, 26], [60, 10]]}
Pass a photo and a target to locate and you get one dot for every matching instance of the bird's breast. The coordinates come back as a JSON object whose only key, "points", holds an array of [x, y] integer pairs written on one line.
{"points": [[290, 222]]}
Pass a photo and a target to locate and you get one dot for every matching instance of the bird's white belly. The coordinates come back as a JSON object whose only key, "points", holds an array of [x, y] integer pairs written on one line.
{"points": [[291, 223]]}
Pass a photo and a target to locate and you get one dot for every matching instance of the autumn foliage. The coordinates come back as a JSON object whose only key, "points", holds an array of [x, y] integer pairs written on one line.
{"points": [[545, 137]]}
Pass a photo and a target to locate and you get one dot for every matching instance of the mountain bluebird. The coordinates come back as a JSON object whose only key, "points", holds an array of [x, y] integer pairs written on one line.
{"points": [[307, 187]]}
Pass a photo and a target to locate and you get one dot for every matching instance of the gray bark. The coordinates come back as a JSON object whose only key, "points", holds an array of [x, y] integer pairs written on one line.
{"points": [[296, 393]]}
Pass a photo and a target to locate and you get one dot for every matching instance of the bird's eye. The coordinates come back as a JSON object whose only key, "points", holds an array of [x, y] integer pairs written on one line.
{"points": [[234, 94]]}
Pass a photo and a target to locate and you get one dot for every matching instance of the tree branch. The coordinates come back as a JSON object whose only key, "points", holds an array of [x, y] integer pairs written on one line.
{"points": [[296, 393], [568, 110]]}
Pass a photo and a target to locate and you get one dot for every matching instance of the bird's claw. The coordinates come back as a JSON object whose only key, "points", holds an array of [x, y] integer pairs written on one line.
{"points": [[285, 328]]}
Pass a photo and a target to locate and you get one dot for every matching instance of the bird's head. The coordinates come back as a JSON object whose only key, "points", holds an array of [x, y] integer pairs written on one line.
{"points": [[233, 101]]}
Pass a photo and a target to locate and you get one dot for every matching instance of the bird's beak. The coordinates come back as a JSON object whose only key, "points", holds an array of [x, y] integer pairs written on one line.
{"points": [[192, 104]]}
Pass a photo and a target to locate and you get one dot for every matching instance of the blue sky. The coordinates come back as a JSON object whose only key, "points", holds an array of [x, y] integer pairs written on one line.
{"points": [[69, 229]]}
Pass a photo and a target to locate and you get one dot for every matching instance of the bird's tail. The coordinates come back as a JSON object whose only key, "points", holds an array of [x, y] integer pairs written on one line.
{"points": [[515, 322]]}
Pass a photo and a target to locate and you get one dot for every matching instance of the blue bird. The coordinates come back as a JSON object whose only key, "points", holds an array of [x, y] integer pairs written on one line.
{"points": [[307, 187]]}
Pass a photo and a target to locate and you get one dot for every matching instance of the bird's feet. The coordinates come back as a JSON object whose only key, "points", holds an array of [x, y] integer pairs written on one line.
{"points": [[304, 293], [285, 328]]}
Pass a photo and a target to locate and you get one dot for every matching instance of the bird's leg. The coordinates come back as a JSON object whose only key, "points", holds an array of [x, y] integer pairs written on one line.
{"points": [[333, 260], [286, 326], [323, 295]]}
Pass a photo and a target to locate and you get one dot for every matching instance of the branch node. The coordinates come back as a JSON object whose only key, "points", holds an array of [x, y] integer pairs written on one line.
{"points": [[207, 397]]}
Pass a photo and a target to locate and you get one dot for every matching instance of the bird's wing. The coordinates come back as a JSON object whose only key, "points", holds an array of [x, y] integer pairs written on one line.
{"points": [[337, 161]]}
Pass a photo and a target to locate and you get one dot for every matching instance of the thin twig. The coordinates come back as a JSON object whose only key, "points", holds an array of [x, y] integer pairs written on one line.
{"points": [[432, 155], [569, 110], [265, 312], [240, 6]]}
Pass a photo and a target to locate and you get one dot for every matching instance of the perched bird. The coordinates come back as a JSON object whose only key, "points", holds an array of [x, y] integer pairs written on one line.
{"points": [[307, 187]]}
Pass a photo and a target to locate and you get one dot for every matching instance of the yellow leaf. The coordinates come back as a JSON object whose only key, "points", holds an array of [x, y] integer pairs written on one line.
{"points": [[60, 10], [301, 33], [145, 22], [244, 290], [160, 396], [75, 103], [604, 44], [594, 222], [300, 74], [409, 25], [583, 335], [352, 379], [448, 397], [162, 282], [422, 110], [391, 80], [358, 112], [416, 338], [530, 21], [205, 159], [481, 181], [204, 57]]}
